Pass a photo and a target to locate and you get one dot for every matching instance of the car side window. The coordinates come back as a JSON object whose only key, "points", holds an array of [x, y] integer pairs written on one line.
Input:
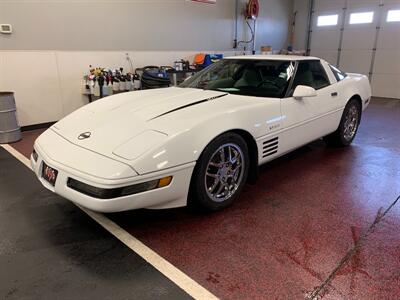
{"points": [[339, 75], [310, 73]]}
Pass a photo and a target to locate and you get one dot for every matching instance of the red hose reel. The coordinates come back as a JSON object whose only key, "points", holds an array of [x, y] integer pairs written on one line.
{"points": [[252, 9]]}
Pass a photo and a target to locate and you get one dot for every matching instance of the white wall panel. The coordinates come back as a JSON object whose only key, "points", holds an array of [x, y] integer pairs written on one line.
{"points": [[48, 84], [116, 25], [1, 70], [55, 41], [32, 76], [302, 8], [155, 25], [74, 64]]}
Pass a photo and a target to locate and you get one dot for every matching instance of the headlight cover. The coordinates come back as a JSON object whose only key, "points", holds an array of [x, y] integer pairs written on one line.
{"points": [[140, 144]]}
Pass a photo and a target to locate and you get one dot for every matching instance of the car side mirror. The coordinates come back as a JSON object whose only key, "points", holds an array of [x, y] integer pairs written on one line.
{"points": [[303, 91]]}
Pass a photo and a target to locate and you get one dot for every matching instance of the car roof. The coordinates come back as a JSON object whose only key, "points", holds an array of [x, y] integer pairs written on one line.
{"points": [[273, 57]]}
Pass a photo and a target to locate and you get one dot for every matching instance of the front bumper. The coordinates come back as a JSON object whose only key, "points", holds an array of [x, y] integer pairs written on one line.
{"points": [[173, 195]]}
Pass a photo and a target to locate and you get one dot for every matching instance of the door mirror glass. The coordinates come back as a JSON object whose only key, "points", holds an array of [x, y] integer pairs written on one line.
{"points": [[303, 91]]}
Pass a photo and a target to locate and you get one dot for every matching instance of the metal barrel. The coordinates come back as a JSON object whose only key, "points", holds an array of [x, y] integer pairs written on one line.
{"points": [[9, 127]]}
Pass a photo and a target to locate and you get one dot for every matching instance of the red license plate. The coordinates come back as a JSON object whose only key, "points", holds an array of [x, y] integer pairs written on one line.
{"points": [[49, 174]]}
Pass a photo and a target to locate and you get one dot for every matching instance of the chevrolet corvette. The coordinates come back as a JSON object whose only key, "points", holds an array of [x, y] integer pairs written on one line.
{"points": [[198, 143]]}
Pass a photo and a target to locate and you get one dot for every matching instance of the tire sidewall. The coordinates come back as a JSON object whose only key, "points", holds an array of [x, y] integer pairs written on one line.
{"points": [[352, 102], [198, 195]]}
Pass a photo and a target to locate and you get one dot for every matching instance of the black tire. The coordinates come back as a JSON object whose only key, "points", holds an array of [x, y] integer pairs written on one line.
{"points": [[199, 195], [341, 137]]}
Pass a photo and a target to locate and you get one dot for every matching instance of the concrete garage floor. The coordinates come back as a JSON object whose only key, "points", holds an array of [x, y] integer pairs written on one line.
{"points": [[320, 222], [50, 249]]}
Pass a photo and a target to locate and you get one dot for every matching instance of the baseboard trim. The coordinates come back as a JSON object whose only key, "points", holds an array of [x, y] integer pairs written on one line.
{"points": [[37, 126]]}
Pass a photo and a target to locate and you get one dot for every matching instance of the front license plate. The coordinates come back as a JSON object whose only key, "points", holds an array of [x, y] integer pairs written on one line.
{"points": [[49, 174]]}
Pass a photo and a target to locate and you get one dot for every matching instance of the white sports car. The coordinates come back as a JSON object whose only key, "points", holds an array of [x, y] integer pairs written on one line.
{"points": [[200, 142]]}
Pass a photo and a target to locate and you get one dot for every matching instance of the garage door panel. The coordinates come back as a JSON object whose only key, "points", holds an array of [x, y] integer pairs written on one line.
{"points": [[362, 9], [386, 74], [325, 39], [329, 55], [387, 62], [359, 63], [384, 85], [389, 38], [358, 39], [395, 5], [362, 4], [388, 2], [321, 5]]}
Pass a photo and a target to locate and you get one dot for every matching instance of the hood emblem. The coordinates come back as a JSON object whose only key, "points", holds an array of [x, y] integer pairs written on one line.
{"points": [[84, 136]]}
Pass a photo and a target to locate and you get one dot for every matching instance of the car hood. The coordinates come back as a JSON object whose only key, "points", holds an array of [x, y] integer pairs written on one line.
{"points": [[106, 124]]}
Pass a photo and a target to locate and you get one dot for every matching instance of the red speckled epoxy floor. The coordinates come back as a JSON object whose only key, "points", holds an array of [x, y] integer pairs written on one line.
{"points": [[25, 145], [305, 228]]}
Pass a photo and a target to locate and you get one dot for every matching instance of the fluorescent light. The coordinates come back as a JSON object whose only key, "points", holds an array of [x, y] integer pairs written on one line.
{"points": [[329, 20], [393, 16], [361, 18]]}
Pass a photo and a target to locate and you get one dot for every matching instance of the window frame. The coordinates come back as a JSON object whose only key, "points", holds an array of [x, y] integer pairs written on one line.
{"points": [[336, 72], [289, 92], [282, 95]]}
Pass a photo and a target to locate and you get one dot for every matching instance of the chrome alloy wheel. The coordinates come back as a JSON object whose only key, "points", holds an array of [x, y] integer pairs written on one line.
{"points": [[224, 172], [350, 123]]}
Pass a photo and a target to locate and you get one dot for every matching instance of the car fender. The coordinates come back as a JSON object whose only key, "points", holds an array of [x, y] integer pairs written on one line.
{"points": [[187, 145]]}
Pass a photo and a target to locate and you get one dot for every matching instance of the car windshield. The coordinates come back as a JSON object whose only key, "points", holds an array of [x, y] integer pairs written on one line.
{"points": [[250, 77]]}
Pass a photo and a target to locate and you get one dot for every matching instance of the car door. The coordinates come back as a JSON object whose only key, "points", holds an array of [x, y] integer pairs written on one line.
{"points": [[309, 118]]}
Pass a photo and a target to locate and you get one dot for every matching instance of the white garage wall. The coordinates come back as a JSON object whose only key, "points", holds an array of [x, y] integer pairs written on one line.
{"points": [[55, 41], [48, 84], [302, 8]]}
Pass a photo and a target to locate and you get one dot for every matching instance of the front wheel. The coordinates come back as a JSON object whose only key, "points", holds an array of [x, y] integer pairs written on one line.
{"points": [[220, 172], [348, 126]]}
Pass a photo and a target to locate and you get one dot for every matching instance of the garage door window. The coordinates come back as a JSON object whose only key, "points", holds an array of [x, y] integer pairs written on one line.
{"points": [[393, 16], [329, 20], [310, 73], [362, 18]]}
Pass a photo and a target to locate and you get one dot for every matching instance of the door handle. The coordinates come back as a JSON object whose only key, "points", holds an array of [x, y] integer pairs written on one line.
{"points": [[334, 94]]}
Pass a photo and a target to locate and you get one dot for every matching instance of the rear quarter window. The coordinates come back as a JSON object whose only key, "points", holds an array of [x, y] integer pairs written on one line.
{"points": [[339, 75]]}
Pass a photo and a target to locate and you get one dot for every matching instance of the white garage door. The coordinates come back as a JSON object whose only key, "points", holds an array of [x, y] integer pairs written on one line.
{"points": [[360, 36]]}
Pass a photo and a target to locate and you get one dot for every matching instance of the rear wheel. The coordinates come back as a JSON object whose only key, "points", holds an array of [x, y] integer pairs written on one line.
{"points": [[220, 172], [348, 126]]}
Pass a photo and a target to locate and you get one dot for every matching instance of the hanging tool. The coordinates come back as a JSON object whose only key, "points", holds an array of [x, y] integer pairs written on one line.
{"points": [[251, 12]]}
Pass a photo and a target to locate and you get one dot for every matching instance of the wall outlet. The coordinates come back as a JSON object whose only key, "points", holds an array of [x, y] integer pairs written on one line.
{"points": [[5, 28]]}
